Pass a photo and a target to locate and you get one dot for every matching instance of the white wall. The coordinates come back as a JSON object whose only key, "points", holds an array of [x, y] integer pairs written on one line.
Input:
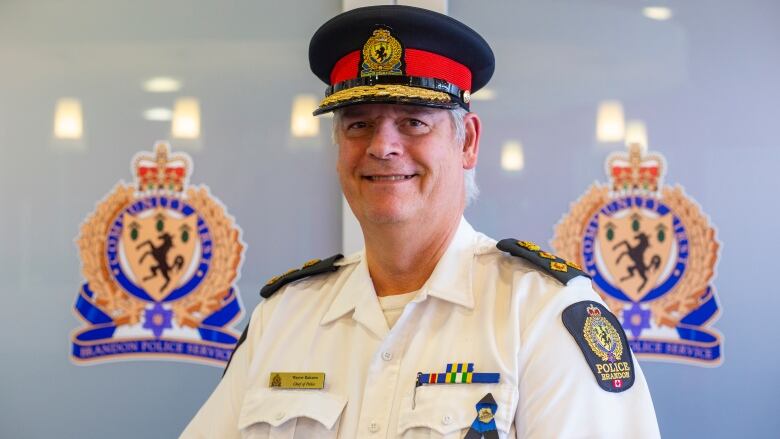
{"points": [[705, 83]]}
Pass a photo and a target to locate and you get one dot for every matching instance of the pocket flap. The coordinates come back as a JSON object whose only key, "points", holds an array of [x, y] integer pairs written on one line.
{"points": [[277, 406], [447, 408]]}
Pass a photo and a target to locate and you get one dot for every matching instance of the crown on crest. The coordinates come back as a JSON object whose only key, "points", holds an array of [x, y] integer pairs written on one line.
{"points": [[162, 171], [635, 170], [593, 311]]}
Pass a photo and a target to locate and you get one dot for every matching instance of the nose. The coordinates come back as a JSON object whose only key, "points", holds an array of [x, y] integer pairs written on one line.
{"points": [[385, 141]]}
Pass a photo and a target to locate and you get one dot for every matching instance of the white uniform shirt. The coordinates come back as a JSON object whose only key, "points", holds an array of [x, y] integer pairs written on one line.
{"points": [[393, 306], [480, 305]]}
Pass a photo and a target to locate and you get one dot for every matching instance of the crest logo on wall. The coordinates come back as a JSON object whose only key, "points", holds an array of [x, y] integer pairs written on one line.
{"points": [[651, 253], [160, 259]]}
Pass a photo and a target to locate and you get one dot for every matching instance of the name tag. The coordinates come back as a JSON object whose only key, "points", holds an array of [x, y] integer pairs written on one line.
{"points": [[297, 380]]}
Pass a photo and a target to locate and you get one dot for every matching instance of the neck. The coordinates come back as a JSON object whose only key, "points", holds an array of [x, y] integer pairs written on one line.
{"points": [[401, 257]]}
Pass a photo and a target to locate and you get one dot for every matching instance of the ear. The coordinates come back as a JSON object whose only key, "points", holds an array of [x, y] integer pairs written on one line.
{"points": [[473, 128]]}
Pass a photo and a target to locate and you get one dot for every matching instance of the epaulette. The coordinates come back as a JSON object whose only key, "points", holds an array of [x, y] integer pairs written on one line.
{"points": [[556, 267], [311, 268]]}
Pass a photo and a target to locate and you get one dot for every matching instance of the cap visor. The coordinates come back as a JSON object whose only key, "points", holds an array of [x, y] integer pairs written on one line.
{"points": [[386, 93]]}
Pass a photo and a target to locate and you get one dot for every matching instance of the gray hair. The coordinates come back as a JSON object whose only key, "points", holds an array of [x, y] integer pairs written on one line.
{"points": [[457, 115], [471, 191]]}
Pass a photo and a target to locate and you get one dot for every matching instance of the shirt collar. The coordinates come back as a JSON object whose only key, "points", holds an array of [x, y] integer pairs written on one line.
{"points": [[450, 281], [355, 287]]}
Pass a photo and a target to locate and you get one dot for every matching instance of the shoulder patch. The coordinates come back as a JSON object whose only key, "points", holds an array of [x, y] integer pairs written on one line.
{"points": [[603, 343], [556, 267], [311, 268]]}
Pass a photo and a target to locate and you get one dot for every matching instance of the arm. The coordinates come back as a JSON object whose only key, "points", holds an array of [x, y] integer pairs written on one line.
{"points": [[218, 417], [559, 395]]}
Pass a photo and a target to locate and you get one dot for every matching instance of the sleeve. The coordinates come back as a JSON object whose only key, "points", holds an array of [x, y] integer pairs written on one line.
{"points": [[218, 417], [559, 394]]}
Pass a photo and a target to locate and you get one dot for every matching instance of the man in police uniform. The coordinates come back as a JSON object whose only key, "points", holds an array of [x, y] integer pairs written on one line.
{"points": [[433, 330]]}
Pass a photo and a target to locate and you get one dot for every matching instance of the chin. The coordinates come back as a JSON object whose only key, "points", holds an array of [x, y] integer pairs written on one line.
{"points": [[383, 217], [387, 214], [384, 209]]}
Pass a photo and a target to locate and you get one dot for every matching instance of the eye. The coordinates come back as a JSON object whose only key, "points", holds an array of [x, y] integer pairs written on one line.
{"points": [[412, 126], [357, 125]]}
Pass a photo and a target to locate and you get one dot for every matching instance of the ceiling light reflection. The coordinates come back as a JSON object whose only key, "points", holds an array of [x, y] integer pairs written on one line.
{"points": [[636, 133], [162, 84], [512, 156], [485, 94], [158, 114], [186, 119], [610, 122], [659, 13], [302, 122], [68, 119]]}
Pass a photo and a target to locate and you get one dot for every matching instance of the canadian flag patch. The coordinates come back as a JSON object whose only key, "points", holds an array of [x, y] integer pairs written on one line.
{"points": [[617, 383]]}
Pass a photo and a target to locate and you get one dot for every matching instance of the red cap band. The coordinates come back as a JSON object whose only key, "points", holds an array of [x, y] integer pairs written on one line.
{"points": [[418, 63], [346, 68]]}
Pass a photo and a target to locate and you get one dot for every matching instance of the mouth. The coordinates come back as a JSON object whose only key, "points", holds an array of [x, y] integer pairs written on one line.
{"points": [[388, 178]]}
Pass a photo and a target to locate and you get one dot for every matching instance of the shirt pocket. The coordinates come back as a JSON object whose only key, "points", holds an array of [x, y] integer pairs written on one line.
{"points": [[288, 414], [447, 410]]}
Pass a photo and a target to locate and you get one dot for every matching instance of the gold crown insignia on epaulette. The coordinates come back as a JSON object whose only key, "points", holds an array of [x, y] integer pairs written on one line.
{"points": [[307, 264], [559, 268], [309, 268]]}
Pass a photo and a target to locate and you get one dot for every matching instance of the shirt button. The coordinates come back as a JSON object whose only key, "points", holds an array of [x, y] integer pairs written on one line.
{"points": [[387, 356], [446, 420], [373, 427], [279, 415]]}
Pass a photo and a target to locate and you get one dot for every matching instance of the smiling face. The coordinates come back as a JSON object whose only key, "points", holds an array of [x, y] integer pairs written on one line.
{"points": [[402, 163]]}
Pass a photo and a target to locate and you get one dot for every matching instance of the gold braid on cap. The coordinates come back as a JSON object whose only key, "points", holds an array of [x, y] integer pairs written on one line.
{"points": [[385, 90]]}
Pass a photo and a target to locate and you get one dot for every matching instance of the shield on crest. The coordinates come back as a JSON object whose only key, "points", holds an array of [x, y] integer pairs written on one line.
{"points": [[635, 247], [159, 247]]}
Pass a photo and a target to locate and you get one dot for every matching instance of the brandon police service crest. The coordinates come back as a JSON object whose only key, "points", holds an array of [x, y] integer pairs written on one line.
{"points": [[160, 259], [651, 253], [382, 55]]}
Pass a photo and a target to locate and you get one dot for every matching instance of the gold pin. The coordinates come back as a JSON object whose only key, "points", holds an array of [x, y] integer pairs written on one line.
{"points": [[273, 280], [485, 415], [558, 266], [311, 262], [529, 245]]}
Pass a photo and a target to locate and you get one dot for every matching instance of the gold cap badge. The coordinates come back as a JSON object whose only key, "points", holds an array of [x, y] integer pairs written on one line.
{"points": [[381, 55]]}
